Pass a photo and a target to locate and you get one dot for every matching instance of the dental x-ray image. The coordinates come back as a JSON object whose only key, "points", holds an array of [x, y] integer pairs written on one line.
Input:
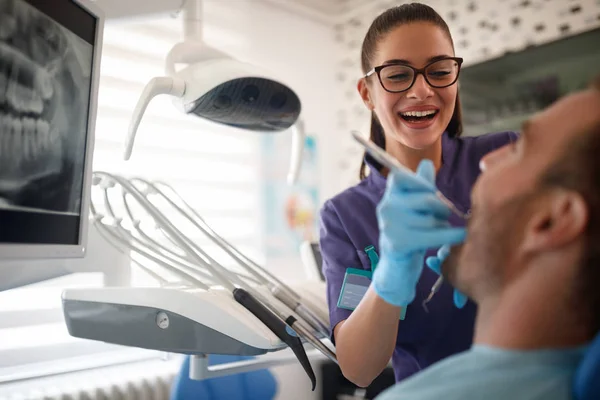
{"points": [[45, 77]]}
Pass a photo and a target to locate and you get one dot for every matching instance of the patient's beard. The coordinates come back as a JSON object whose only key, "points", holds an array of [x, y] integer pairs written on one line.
{"points": [[477, 267]]}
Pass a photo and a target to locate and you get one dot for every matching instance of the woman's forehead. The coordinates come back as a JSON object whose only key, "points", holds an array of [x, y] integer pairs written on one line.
{"points": [[415, 43]]}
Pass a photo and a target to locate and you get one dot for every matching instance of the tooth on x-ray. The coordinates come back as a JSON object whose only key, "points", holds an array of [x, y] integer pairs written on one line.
{"points": [[43, 118]]}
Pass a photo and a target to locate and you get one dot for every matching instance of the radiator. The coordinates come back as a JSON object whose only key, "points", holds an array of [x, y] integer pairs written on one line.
{"points": [[154, 388]]}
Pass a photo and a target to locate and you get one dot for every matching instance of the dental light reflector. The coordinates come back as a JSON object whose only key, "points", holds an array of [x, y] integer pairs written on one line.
{"points": [[223, 90]]}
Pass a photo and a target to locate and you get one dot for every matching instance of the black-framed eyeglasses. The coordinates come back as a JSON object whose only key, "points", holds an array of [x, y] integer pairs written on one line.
{"points": [[397, 77]]}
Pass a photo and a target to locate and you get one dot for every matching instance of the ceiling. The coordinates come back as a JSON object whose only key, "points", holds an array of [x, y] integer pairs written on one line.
{"points": [[324, 11], [329, 11]]}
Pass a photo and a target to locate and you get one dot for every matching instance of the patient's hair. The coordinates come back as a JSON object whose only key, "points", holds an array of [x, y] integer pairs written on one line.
{"points": [[579, 169]]}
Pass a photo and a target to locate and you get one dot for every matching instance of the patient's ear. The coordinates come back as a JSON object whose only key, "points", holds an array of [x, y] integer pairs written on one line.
{"points": [[557, 220], [363, 90]]}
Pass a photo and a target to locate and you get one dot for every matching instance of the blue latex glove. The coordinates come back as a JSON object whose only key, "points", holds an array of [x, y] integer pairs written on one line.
{"points": [[435, 263], [411, 220]]}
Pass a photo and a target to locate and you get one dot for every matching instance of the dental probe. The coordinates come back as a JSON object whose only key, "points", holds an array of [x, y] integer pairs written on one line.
{"points": [[394, 165]]}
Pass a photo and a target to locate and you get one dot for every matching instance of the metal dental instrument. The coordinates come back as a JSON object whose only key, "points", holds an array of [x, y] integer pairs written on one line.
{"points": [[434, 289], [390, 162]]}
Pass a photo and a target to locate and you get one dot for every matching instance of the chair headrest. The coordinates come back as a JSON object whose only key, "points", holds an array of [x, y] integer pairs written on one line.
{"points": [[587, 376]]}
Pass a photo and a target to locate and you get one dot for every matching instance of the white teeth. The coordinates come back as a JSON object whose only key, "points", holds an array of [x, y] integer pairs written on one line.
{"points": [[3, 84], [36, 105], [22, 140], [418, 113], [43, 132], [24, 99], [43, 82], [29, 139], [4, 135], [17, 139]]}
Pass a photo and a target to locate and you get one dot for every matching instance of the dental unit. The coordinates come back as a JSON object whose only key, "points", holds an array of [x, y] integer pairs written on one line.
{"points": [[210, 308]]}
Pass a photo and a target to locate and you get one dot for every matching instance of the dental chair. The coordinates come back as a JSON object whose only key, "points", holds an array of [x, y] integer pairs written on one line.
{"points": [[586, 384], [255, 385]]}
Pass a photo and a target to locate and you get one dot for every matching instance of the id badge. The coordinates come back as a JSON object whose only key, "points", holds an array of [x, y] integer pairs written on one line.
{"points": [[356, 283], [355, 286]]}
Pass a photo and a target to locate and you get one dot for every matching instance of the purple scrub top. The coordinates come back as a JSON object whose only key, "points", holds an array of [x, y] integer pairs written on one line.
{"points": [[348, 224]]}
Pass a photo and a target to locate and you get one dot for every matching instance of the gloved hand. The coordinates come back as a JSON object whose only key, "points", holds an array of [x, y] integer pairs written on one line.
{"points": [[435, 263], [411, 220]]}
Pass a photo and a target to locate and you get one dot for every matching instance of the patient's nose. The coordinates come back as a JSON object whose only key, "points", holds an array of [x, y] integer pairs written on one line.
{"points": [[490, 159]]}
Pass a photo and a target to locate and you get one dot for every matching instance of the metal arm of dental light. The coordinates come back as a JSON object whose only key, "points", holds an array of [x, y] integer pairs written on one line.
{"points": [[298, 138], [281, 291], [295, 324], [156, 86]]}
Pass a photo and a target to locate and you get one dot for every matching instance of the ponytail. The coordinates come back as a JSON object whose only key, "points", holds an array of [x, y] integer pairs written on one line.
{"points": [[376, 136]]}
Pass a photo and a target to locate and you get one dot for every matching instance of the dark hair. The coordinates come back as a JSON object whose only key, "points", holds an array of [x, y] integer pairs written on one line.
{"points": [[578, 169], [383, 24]]}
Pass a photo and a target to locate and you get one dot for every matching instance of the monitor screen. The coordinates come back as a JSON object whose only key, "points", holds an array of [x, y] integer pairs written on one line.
{"points": [[49, 66]]}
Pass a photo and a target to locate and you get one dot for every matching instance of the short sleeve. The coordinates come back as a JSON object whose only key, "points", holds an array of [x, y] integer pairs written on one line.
{"points": [[501, 139], [338, 254], [513, 136], [490, 142]]}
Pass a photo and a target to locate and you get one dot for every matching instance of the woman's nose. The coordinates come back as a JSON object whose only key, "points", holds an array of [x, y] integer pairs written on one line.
{"points": [[420, 89]]}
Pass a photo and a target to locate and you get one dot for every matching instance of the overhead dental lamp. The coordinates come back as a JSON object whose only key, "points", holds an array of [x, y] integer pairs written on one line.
{"points": [[216, 87]]}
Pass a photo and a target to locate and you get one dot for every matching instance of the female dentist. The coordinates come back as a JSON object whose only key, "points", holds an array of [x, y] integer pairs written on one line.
{"points": [[409, 84]]}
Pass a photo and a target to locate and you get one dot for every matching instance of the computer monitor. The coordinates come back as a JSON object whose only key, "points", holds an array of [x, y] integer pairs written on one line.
{"points": [[49, 72]]}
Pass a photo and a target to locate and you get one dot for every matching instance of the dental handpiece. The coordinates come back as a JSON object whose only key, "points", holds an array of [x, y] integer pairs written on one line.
{"points": [[390, 162]]}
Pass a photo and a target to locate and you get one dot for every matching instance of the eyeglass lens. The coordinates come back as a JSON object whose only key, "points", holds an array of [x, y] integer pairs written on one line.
{"points": [[397, 78]]}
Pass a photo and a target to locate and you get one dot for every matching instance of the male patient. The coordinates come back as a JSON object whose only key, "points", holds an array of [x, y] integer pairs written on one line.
{"points": [[531, 261]]}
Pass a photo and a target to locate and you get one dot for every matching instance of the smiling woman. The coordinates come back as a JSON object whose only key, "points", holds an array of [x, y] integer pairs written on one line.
{"points": [[410, 86]]}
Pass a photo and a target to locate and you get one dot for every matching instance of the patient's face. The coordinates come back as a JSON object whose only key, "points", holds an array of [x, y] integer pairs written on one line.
{"points": [[505, 194]]}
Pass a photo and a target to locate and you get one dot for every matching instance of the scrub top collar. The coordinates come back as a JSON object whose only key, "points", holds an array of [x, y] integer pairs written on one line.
{"points": [[444, 175]]}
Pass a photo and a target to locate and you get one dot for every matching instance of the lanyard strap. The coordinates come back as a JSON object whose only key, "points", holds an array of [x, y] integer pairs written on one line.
{"points": [[373, 257]]}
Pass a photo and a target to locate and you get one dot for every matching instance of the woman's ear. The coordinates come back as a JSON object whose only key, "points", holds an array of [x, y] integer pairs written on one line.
{"points": [[557, 220], [363, 90]]}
